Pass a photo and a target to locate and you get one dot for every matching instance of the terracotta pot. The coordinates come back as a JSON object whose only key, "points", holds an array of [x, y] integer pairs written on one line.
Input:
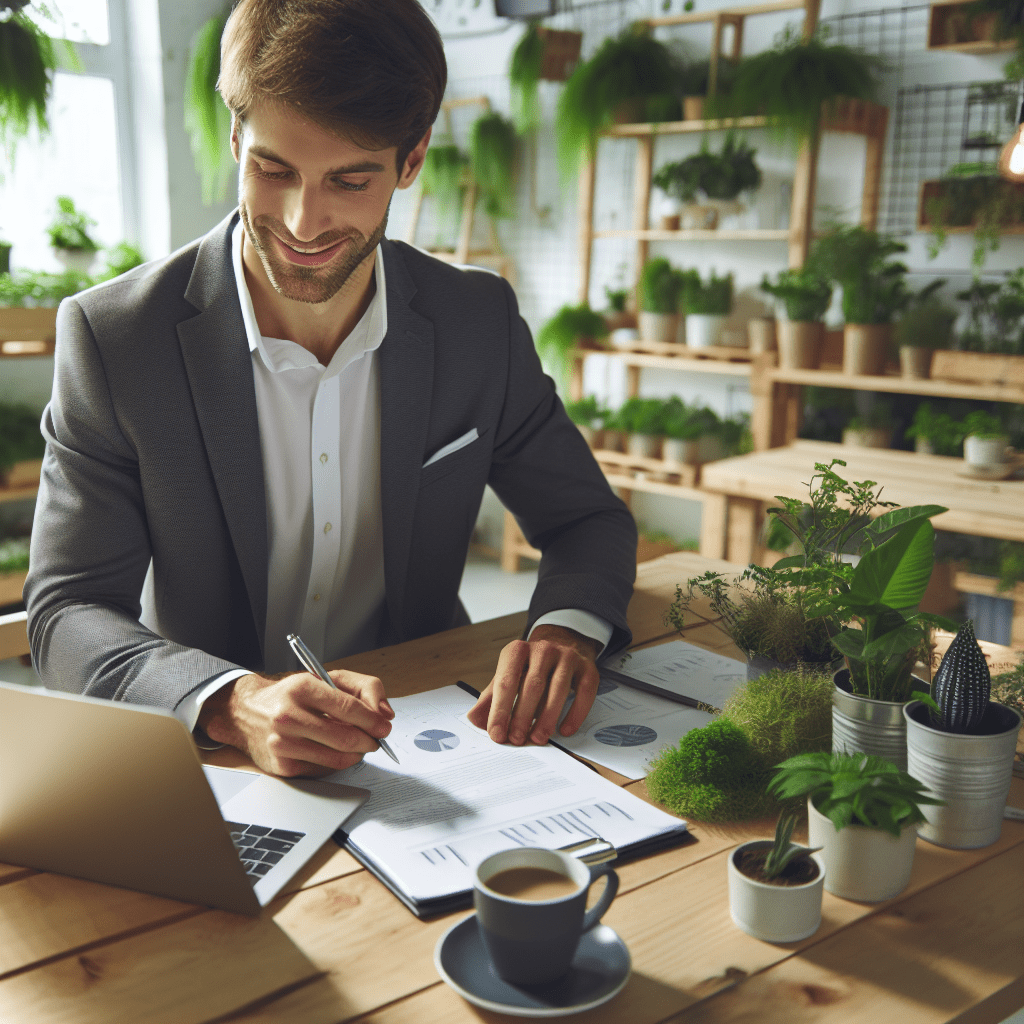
{"points": [[800, 343], [659, 327], [761, 334], [693, 108], [561, 53], [866, 348], [868, 437], [668, 222], [915, 362]]}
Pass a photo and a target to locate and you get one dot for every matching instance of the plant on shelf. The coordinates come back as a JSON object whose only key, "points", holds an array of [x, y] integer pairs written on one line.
{"points": [[924, 326], [935, 433], [719, 176], [862, 814], [69, 229], [658, 298], [629, 67], [120, 259], [683, 426], [14, 555], [995, 315], [706, 304], [641, 419], [1008, 24], [805, 296], [695, 83], [985, 440], [568, 329], [444, 176], [207, 118], [492, 157], [588, 415], [796, 83], [872, 429], [40, 287], [964, 744]]}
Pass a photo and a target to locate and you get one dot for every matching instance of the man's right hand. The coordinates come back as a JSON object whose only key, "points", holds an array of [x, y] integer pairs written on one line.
{"points": [[295, 724]]}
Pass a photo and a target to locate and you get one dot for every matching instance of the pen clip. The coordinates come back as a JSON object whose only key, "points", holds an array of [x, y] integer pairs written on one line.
{"points": [[591, 851]]}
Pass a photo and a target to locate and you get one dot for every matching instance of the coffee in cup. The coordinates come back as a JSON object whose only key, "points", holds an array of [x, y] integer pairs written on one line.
{"points": [[531, 910]]}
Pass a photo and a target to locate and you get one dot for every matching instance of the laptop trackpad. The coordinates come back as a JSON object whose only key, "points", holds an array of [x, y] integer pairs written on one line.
{"points": [[226, 783]]}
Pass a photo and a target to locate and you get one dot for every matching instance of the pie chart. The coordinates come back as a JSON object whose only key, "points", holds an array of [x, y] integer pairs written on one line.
{"points": [[625, 735], [436, 740]]}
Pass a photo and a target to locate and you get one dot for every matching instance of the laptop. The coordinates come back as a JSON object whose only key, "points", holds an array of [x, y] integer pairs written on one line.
{"points": [[116, 793]]}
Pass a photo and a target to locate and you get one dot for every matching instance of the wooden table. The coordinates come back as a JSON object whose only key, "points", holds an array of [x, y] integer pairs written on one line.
{"points": [[740, 486], [337, 946]]}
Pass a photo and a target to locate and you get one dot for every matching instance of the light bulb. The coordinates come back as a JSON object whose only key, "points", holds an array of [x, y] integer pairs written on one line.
{"points": [[1011, 159]]}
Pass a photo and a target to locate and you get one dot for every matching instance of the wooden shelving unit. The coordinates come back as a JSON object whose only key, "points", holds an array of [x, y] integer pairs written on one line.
{"points": [[952, 29]]}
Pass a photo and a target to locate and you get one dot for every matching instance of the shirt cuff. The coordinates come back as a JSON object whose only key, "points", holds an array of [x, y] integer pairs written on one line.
{"points": [[189, 707], [586, 623]]}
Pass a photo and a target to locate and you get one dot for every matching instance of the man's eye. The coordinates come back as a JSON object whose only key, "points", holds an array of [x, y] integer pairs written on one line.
{"points": [[271, 175], [352, 186]]}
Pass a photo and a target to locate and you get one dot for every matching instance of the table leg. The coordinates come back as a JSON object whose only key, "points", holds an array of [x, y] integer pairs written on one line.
{"points": [[713, 517], [743, 527]]}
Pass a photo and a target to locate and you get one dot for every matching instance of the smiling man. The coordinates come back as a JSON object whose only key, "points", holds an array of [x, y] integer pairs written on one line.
{"points": [[288, 425]]}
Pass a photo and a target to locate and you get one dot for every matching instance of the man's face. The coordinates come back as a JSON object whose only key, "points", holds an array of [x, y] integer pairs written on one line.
{"points": [[314, 205]]}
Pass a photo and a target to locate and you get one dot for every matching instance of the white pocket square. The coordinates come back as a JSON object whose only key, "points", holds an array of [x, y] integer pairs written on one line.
{"points": [[460, 442]]}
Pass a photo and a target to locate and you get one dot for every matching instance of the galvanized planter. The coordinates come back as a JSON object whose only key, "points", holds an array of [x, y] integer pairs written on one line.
{"points": [[861, 725], [971, 773]]}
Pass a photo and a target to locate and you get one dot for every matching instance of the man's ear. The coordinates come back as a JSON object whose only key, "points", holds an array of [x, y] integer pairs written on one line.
{"points": [[236, 142], [414, 161]]}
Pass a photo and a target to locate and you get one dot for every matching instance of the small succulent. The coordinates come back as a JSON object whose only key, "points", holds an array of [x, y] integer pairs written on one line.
{"points": [[962, 684], [783, 852]]}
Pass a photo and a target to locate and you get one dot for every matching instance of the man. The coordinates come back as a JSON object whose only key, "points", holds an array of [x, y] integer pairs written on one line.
{"points": [[287, 426]]}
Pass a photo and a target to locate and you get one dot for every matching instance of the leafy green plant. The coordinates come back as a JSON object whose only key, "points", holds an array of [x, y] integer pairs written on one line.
{"points": [[695, 79], [784, 853], [982, 424], [586, 412], [854, 789], [642, 415], [524, 75], [659, 286], [687, 423], [617, 298], [797, 81], [926, 323], [445, 176], [562, 333], [712, 296], [804, 294], [20, 437], [207, 118], [858, 259], [14, 555], [41, 287], [120, 259], [734, 433], [69, 228], [995, 315], [492, 155], [722, 175], [944, 433], [630, 66]]}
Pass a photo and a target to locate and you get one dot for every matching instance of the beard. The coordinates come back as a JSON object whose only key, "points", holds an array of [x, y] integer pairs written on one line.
{"points": [[310, 284]]}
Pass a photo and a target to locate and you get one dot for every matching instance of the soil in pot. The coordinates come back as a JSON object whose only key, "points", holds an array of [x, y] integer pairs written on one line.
{"points": [[796, 872]]}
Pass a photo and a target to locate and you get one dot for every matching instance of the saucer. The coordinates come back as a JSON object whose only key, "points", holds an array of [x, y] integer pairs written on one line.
{"points": [[989, 471], [599, 970]]}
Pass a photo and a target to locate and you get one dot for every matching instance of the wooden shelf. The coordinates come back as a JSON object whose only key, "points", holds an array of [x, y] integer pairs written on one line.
{"points": [[700, 235], [898, 385], [27, 332], [18, 493], [639, 131], [630, 483], [697, 17], [948, 18], [11, 585], [689, 363], [623, 464]]}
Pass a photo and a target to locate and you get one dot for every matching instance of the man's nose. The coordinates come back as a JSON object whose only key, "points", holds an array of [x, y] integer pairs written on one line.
{"points": [[305, 213]]}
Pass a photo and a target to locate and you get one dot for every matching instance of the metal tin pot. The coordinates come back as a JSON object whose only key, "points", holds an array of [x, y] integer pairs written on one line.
{"points": [[861, 725], [971, 773]]}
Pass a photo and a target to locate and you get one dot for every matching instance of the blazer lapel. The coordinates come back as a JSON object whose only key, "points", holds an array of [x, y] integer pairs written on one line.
{"points": [[219, 368], [406, 386]]}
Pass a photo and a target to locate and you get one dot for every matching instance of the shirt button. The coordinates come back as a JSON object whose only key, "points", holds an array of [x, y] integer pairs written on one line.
{"points": [[327, 527], [316, 597], [323, 458]]}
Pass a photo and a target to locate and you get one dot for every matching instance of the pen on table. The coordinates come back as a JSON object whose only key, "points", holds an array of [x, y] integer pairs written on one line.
{"points": [[308, 659]]}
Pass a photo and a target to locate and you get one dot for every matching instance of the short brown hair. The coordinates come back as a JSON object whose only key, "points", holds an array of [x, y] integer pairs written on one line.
{"points": [[371, 71]]}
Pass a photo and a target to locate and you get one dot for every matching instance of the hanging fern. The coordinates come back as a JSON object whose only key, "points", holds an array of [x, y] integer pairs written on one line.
{"points": [[524, 74], [492, 150], [207, 119], [444, 177], [27, 62]]}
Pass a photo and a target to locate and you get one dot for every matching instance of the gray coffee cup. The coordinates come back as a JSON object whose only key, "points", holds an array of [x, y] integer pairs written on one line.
{"points": [[533, 941]]}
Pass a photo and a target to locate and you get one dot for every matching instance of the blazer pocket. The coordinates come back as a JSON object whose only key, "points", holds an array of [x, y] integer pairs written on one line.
{"points": [[452, 447], [467, 453]]}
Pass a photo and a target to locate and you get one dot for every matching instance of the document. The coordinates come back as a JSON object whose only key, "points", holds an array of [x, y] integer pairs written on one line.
{"points": [[457, 797]]}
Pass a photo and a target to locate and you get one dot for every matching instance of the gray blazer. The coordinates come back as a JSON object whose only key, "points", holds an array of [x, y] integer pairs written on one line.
{"points": [[153, 460]]}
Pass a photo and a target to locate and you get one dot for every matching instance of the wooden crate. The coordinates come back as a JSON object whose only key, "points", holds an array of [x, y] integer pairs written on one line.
{"points": [[933, 190], [951, 27], [561, 54], [978, 368]]}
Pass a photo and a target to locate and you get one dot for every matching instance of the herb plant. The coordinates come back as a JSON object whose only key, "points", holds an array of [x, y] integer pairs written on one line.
{"points": [[945, 434], [982, 424], [69, 228], [722, 175], [492, 155], [854, 789], [586, 412], [804, 294], [642, 415], [660, 285], [687, 423], [713, 296]]}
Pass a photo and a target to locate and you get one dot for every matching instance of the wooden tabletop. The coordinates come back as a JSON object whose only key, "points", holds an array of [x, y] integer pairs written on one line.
{"points": [[982, 508], [338, 946]]}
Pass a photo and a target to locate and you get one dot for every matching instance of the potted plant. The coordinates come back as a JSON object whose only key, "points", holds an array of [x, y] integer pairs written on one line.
{"points": [[985, 442], [924, 326], [444, 176], [492, 156], [658, 299], [541, 53], [5, 256], [762, 334], [641, 419], [69, 236], [612, 431], [874, 290], [775, 887], [570, 328], [935, 433], [695, 83], [680, 182], [617, 316], [861, 813], [805, 296], [587, 414], [683, 427], [872, 430], [207, 118], [961, 745], [735, 171], [797, 82], [612, 85], [706, 304]]}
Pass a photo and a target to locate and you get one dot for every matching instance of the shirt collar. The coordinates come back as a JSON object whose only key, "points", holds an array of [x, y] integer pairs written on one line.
{"points": [[279, 354]]}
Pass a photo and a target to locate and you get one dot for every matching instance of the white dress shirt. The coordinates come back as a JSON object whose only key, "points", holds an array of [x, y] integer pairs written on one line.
{"points": [[320, 438]]}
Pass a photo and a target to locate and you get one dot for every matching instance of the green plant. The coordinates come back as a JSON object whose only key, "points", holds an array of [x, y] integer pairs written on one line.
{"points": [[14, 555], [982, 424], [617, 298], [797, 81], [207, 118], [41, 287], [995, 315], [630, 66], [1008, 687], [659, 287], [944, 433], [445, 176], [69, 228], [695, 79], [853, 789], [734, 433], [120, 259], [721, 175], [523, 75], [642, 415], [492, 155], [713, 296], [586, 412], [784, 853], [805, 295], [19, 435], [858, 259], [926, 323], [562, 333], [687, 423]]}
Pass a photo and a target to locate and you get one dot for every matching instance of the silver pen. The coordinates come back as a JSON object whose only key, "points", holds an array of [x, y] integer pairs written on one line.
{"points": [[308, 659]]}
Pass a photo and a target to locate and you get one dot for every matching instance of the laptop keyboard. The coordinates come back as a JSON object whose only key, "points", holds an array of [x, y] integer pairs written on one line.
{"points": [[261, 847]]}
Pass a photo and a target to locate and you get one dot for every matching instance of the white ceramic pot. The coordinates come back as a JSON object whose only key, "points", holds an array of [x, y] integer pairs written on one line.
{"points": [[774, 913], [71, 259], [985, 451], [642, 446], [660, 327], [861, 863], [703, 329], [624, 337], [680, 452]]}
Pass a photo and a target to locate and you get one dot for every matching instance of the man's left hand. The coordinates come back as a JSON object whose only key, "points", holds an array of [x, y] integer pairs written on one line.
{"points": [[533, 679]]}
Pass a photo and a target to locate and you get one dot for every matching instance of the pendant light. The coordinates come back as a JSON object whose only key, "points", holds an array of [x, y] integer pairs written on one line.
{"points": [[1011, 159]]}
